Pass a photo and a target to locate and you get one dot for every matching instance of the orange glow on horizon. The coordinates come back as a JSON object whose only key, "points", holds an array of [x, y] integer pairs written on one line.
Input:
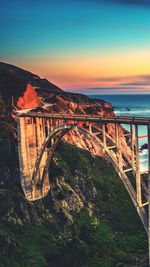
{"points": [[79, 71]]}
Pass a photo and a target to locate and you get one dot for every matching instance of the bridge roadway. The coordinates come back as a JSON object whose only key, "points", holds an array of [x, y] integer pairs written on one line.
{"points": [[89, 118]]}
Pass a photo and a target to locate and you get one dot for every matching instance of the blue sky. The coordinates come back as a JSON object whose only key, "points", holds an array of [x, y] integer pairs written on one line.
{"points": [[77, 44]]}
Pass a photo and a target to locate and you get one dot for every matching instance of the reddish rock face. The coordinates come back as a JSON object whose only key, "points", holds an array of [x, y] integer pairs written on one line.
{"points": [[71, 104], [29, 99]]}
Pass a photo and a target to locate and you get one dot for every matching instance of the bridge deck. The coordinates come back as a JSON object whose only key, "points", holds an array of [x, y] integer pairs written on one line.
{"points": [[92, 118]]}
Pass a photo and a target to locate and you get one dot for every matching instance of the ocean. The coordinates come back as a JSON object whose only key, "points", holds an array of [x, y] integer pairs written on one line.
{"points": [[132, 105]]}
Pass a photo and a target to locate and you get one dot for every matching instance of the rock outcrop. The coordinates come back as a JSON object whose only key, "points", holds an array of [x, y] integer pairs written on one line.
{"points": [[29, 100], [68, 103]]}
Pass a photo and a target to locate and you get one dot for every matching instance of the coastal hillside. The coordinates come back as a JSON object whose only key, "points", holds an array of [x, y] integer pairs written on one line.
{"points": [[87, 219], [13, 82], [48, 98]]}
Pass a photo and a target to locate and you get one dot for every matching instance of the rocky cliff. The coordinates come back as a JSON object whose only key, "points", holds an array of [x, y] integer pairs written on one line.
{"points": [[68, 103], [13, 82], [29, 100]]}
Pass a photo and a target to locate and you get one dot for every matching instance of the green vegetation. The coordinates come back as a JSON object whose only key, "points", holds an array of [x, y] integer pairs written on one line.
{"points": [[105, 233]]}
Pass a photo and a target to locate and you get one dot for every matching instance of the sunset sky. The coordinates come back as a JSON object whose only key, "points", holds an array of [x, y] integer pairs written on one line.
{"points": [[88, 46]]}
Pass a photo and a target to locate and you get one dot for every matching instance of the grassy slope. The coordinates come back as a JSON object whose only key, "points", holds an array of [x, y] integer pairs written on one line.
{"points": [[112, 236]]}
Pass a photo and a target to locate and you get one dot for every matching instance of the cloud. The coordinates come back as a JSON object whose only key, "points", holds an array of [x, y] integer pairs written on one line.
{"points": [[145, 77], [113, 88], [137, 84], [109, 79], [125, 81], [140, 83]]}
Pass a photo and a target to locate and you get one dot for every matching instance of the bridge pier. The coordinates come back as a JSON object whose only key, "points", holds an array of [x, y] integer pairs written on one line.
{"points": [[23, 154], [118, 143], [132, 130], [120, 160], [138, 176], [104, 135], [90, 128]]}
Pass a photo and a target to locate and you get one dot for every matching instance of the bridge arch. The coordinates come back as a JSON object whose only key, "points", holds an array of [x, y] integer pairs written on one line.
{"points": [[54, 138]]}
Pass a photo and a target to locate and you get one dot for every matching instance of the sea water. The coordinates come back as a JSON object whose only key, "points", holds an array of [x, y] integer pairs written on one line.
{"points": [[132, 105]]}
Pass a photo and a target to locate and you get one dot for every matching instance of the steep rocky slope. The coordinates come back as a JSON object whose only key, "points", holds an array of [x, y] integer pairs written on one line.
{"points": [[68, 103], [13, 82]]}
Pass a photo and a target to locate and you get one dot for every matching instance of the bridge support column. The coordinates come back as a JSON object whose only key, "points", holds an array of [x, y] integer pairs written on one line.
{"points": [[119, 149], [118, 145], [116, 140], [132, 129], [116, 134], [104, 134], [138, 176], [39, 190], [90, 128], [24, 157]]}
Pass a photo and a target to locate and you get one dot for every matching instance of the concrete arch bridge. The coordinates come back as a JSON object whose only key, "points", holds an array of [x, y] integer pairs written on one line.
{"points": [[40, 133]]}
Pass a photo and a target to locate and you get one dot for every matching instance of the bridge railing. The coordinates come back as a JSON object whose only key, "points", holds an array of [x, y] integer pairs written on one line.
{"points": [[119, 119]]}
